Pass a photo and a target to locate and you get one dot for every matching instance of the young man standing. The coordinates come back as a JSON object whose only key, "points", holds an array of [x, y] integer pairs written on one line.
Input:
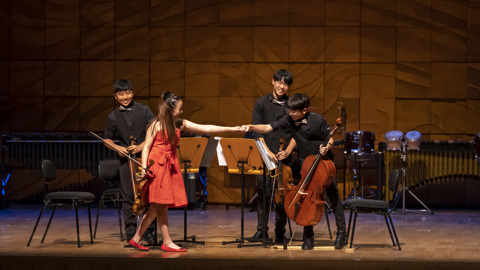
{"points": [[310, 130], [129, 119], [267, 109]]}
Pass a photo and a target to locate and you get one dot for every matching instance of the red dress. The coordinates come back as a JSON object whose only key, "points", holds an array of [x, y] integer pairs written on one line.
{"points": [[167, 186]]}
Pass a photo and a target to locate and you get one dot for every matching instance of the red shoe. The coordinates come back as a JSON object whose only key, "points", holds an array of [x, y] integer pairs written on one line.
{"points": [[138, 246], [166, 248]]}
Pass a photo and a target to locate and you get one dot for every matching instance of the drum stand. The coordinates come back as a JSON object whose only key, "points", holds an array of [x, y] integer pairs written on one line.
{"points": [[356, 181], [404, 188]]}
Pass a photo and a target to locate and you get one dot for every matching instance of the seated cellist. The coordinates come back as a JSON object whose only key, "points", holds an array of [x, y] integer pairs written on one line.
{"points": [[309, 131]]}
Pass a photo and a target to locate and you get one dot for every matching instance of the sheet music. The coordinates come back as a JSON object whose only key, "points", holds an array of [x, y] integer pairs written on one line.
{"points": [[269, 162], [220, 155]]}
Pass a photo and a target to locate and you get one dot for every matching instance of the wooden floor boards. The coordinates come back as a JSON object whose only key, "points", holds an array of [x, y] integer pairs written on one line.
{"points": [[445, 240]]}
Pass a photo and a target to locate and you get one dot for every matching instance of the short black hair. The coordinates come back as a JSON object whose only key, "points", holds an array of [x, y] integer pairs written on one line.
{"points": [[122, 85], [283, 74], [298, 102]]}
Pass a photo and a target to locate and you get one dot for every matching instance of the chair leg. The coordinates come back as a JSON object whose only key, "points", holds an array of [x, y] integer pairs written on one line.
{"points": [[120, 221], [36, 224], [349, 223], [75, 204], [328, 222], [389, 229], [49, 222], [90, 223], [394, 232], [353, 228], [98, 215]]}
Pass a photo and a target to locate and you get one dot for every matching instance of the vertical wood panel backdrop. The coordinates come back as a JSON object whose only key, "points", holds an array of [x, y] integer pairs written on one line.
{"points": [[405, 64]]}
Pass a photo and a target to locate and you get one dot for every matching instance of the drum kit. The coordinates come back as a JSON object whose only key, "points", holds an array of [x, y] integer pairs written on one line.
{"points": [[360, 147]]}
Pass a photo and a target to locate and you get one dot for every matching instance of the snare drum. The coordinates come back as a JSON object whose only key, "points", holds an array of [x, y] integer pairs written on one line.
{"points": [[413, 140], [359, 145], [393, 139]]}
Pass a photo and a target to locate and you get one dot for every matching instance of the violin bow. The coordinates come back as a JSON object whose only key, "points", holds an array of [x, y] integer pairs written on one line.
{"points": [[120, 151]]}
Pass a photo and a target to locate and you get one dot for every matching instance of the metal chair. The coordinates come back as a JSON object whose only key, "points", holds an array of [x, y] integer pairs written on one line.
{"points": [[60, 198], [375, 207], [109, 171]]}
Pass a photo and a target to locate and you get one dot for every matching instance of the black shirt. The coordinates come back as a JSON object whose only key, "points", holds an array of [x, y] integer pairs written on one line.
{"points": [[139, 116], [309, 135], [266, 111]]}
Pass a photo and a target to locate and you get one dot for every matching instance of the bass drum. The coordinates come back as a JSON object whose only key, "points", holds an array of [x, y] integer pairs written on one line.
{"points": [[359, 145], [393, 140], [413, 140]]}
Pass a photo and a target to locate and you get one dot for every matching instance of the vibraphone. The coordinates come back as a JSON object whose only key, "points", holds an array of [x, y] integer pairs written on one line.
{"points": [[66, 151], [435, 163]]}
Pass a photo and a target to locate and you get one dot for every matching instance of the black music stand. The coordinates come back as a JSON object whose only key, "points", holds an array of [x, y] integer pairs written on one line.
{"points": [[190, 152], [239, 153]]}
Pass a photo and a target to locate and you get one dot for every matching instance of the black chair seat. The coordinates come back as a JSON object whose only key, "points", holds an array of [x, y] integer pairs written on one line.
{"points": [[112, 192], [80, 196], [366, 204]]}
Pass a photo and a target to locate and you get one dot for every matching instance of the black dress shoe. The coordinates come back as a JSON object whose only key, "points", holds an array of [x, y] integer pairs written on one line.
{"points": [[149, 238], [341, 239], [307, 244], [129, 236], [280, 239], [257, 237]]}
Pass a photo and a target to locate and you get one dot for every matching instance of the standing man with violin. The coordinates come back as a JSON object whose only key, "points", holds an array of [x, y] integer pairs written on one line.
{"points": [[267, 109], [128, 123], [310, 131]]}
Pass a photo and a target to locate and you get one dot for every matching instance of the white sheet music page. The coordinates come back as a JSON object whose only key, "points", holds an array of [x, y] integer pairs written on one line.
{"points": [[220, 155], [269, 162]]}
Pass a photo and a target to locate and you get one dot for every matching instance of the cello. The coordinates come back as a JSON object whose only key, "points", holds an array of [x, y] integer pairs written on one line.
{"points": [[304, 203]]}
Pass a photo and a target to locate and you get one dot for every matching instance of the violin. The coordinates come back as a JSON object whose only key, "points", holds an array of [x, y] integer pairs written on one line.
{"points": [[304, 203], [140, 195], [138, 186], [285, 178]]}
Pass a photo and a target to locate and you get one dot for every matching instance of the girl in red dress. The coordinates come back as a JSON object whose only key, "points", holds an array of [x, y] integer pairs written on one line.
{"points": [[166, 189]]}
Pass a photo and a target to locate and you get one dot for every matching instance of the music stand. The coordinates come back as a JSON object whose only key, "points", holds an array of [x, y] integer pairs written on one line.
{"points": [[239, 154], [190, 152]]}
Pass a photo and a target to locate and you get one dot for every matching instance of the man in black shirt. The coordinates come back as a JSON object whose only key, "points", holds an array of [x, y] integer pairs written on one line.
{"points": [[267, 109], [310, 130], [129, 119]]}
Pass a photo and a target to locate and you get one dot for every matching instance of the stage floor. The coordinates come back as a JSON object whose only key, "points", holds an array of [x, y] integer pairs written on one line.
{"points": [[445, 240]]}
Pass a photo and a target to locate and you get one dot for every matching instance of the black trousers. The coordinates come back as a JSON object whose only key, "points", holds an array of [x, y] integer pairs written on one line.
{"points": [[262, 214], [128, 201]]}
